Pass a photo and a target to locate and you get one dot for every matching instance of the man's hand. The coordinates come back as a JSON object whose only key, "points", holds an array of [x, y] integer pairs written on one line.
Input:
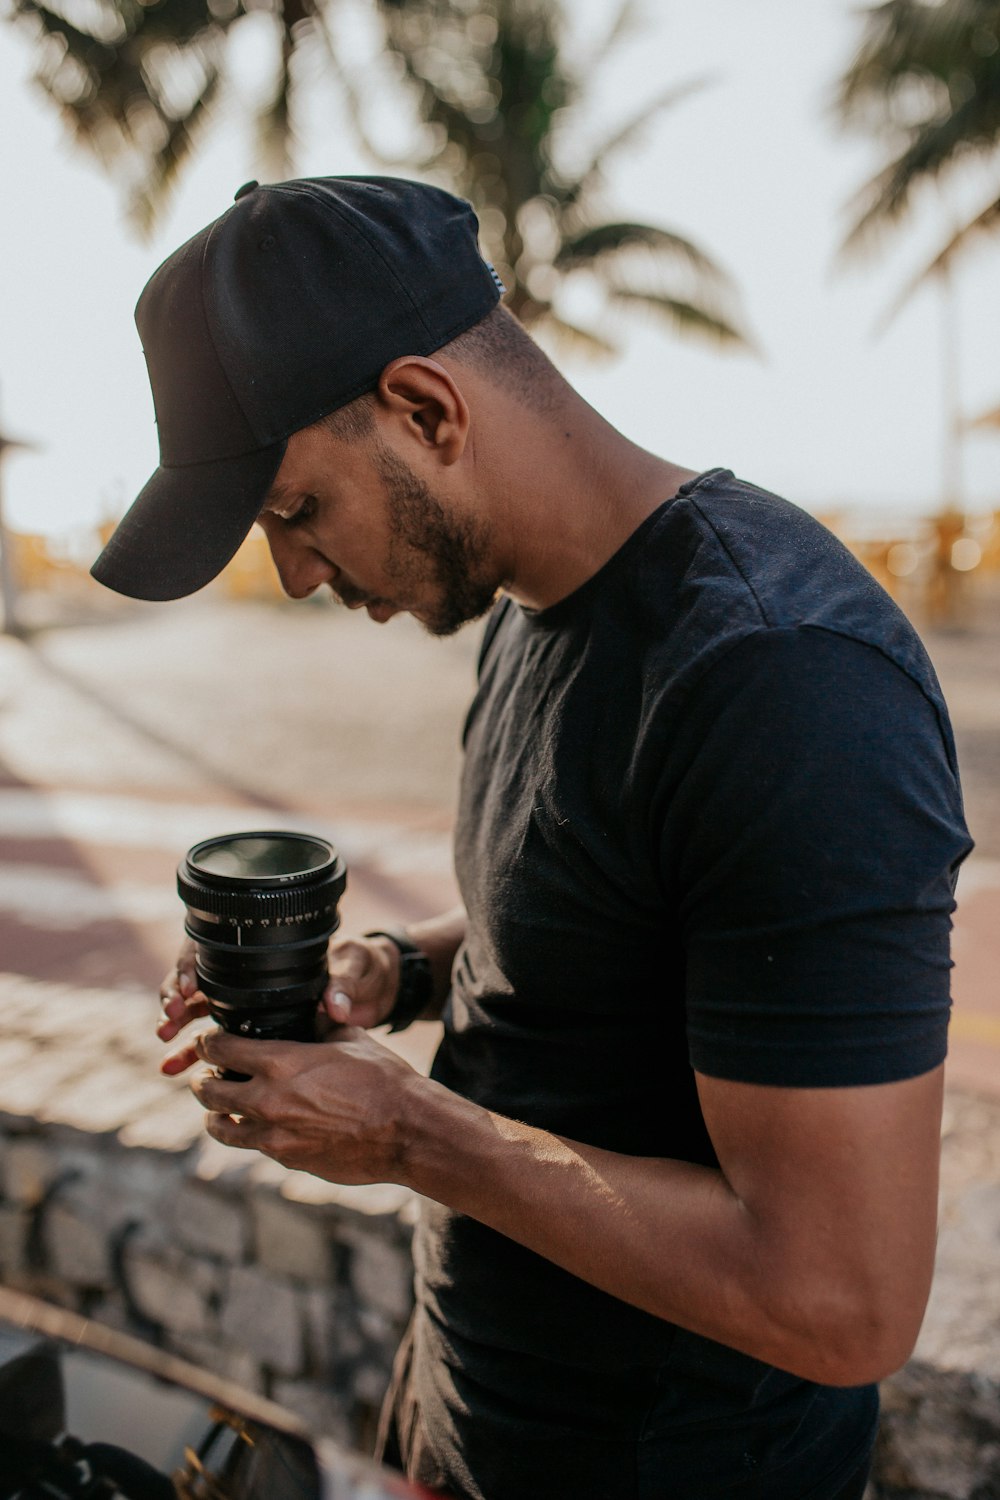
{"points": [[338, 1109], [364, 980], [182, 1002], [364, 977]]}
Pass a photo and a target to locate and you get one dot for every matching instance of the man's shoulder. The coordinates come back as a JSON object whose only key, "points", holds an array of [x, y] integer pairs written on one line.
{"points": [[720, 565], [754, 563], [791, 568]]}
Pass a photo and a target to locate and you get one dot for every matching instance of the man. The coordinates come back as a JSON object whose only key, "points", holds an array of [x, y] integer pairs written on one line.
{"points": [[680, 1141]]}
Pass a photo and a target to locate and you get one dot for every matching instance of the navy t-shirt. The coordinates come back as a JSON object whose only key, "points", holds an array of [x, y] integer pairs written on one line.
{"points": [[710, 820]]}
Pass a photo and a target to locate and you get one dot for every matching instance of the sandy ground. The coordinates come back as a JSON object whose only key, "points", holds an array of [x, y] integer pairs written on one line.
{"points": [[316, 706], [310, 705]]}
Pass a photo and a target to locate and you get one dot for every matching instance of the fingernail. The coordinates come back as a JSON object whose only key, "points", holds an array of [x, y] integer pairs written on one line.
{"points": [[186, 985], [340, 1003]]}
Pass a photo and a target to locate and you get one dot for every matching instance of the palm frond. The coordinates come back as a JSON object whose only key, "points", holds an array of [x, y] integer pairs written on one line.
{"points": [[623, 23], [352, 91], [682, 316], [148, 200], [934, 148], [911, 44], [984, 223], [488, 88], [625, 135], [574, 339], [926, 79], [602, 240], [273, 123], [86, 48]]}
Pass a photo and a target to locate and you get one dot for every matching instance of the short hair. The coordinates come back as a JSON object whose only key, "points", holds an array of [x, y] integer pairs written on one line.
{"points": [[498, 347]]}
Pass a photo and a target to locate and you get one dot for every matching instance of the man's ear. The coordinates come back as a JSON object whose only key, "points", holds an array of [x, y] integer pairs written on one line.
{"points": [[427, 403]]}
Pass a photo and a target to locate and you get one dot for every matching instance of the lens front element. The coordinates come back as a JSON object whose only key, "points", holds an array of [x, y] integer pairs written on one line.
{"points": [[253, 856]]}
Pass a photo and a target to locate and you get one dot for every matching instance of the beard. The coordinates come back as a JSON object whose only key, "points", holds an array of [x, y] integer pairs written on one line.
{"points": [[427, 543]]}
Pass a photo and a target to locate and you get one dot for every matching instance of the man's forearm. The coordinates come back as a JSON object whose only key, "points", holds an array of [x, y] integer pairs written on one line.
{"points": [[663, 1235]]}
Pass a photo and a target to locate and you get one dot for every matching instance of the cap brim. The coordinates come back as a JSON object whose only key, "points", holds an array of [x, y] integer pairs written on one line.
{"points": [[186, 524]]}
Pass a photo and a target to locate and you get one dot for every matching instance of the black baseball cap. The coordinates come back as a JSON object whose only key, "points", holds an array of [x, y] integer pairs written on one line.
{"points": [[287, 307]]}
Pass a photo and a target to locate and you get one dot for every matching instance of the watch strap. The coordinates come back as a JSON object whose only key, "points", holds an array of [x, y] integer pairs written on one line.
{"points": [[416, 982]]}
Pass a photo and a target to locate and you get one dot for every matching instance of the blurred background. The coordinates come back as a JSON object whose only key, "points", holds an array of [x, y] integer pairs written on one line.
{"points": [[754, 233]]}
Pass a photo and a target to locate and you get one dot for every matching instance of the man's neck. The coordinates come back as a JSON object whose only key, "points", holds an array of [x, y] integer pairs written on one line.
{"points": [[574, 490]]}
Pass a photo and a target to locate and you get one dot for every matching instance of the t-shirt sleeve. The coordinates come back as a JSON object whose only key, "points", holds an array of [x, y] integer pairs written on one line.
{"points": [[811, 844]]}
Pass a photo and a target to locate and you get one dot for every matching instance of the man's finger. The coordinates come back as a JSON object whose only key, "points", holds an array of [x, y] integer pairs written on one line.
{"points": [[177, 1014], [221, 1096], [242, 1054], [177, 1062], [241, 1133], [349, 958]]}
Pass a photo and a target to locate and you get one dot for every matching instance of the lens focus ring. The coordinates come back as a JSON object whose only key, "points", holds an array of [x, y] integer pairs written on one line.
{"points": [[296, 903]]}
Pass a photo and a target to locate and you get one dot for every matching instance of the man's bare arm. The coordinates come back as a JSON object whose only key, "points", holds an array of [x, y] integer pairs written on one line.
{"points": [[811, 1247]]}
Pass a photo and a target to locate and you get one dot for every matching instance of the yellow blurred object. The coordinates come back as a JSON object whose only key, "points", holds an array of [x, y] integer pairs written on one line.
{"points": [[251, 574], [38, 566], [930, 566]]}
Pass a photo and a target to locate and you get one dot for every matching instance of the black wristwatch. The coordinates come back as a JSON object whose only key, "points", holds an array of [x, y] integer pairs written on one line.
{"points": [[416, 982]]}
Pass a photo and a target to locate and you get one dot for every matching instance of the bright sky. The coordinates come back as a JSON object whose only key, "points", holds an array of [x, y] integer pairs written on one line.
{"points": [[751, 168]]}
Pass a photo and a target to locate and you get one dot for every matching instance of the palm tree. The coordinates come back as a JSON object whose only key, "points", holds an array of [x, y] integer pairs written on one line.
{"points": [[493, 98], [927, 79], [501, 104], [137, 82]]}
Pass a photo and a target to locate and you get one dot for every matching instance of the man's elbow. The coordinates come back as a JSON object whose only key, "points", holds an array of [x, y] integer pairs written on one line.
{"points": [[866, 1354], [862, 1345], [846, 1326]]}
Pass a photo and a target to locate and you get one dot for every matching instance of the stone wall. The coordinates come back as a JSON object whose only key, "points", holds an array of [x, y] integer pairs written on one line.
{"points": [[115, 1204]]}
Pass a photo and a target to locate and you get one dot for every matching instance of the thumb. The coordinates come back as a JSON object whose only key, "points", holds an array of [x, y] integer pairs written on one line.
{"points": [[349, 963], [337, 1002]]}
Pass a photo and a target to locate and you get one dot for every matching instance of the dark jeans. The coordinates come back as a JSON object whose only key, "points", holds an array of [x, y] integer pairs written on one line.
{"points": [[856, 1486], [404, 1443]]}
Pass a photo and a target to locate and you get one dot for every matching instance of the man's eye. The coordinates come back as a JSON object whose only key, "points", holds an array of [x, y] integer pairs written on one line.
{"points": [[304, 513]]}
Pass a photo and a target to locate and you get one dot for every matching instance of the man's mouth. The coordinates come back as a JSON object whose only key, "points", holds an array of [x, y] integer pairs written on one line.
{"points": [[352, 598]]}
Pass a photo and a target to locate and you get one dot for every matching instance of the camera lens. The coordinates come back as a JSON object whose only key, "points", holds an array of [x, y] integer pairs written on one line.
{"points": [[261, 908]]}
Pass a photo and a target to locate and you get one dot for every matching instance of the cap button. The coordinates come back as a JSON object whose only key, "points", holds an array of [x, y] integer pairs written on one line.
{"points": [[247, 187]]}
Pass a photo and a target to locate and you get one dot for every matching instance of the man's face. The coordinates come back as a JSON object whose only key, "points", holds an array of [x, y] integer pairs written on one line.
{"points": [[354, 516]]}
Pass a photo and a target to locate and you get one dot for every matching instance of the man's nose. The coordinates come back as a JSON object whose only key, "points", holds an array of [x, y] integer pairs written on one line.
{"points": [[301, 569]]}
